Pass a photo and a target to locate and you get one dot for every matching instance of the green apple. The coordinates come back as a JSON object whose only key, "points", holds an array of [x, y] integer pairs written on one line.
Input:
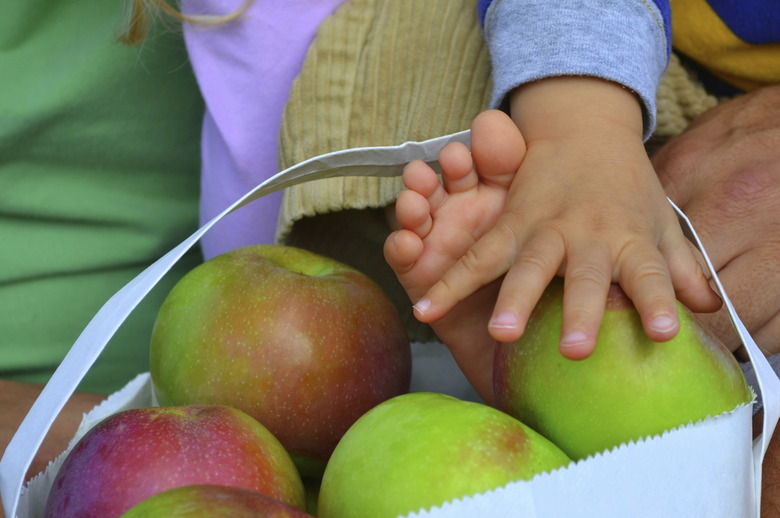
{"points": [[302, 343], [137, 453], [423, 449], [211, 501], [631, 387]]}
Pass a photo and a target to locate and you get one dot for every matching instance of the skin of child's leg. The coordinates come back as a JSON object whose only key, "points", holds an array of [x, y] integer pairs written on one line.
{"points": [[441, 221]]}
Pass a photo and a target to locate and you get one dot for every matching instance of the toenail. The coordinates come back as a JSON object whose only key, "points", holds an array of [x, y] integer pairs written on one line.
{"points": [[422, 305], [504, 321]]}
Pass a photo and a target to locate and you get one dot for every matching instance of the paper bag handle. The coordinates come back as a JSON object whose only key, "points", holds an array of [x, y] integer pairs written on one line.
{"points": [[768, 382]]}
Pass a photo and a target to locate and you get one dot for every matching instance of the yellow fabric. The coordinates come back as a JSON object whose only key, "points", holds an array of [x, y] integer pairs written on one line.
{"points": [[680, 99], [698, 32]]}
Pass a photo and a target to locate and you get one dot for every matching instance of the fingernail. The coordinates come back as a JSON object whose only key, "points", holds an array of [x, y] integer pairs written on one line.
{"points": [[422, 305], [574, 338], [504, 320], [663, 324]]}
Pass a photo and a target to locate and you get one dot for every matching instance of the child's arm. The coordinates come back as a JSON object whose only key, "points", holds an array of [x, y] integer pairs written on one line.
{"points": [[585, 204]]}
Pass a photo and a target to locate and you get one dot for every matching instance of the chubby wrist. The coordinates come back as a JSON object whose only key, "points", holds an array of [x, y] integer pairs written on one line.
{"points": [[572, 106]]}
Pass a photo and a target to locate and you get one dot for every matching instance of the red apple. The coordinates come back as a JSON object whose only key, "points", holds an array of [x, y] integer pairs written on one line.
{"points": [[209, 501], [302, 343], [135, 454], [423, 449], [631, 387]]}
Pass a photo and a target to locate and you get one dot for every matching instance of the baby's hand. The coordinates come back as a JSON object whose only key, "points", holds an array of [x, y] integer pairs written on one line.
{"points": [[586, 205]]}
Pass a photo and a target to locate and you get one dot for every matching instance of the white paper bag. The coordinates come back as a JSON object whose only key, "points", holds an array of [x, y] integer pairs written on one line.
{"points": [[711, 468]]}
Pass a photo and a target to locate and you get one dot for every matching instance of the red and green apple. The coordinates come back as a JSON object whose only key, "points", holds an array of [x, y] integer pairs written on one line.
{"points": [[421, 450], [631, 387], [137, 453], [301, 342], [212, 501]]}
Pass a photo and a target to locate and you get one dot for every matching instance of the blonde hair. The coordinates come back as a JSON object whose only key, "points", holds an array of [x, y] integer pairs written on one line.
{"points": [[142, 12]]}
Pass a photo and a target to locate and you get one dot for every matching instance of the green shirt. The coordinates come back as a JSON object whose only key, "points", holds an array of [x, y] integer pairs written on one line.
{"points": [[99, 177]]}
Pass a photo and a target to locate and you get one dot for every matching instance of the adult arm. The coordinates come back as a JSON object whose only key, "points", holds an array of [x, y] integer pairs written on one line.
{"points": [[770, 479], [724, 173]]}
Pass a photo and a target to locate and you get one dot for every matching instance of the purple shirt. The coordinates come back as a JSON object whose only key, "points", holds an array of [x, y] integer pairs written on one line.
{"points": [[245, 70]]}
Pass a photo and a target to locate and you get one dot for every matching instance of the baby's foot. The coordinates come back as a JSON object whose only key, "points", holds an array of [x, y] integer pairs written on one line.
{"points": [[441, 221]]}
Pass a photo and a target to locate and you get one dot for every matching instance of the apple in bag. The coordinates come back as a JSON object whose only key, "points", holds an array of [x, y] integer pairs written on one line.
{"points": [[631, 387], [211, 501], [302, 343], [423, 449], [134, 454]]}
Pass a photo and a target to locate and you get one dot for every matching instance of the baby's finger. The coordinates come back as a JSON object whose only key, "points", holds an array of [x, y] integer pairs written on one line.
{"points": [[487, 260], [645, 278], [586, 284], [691, 284], [524, 283]]}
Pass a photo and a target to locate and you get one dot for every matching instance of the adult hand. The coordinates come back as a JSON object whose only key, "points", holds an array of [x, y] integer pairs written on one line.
{"points": [[724, 173], [770, 477], [16, 398]]}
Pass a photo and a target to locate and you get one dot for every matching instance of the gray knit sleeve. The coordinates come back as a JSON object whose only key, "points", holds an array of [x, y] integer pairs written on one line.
{"points": [[618, 40]]}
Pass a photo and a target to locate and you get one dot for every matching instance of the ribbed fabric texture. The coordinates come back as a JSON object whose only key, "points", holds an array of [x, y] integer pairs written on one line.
{"points": [[680, 99], [379, 73]]}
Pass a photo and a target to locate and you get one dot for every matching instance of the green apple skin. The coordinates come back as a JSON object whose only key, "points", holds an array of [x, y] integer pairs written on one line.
{"points": [[211, 501], [137, 453], [302, 343], [631, 387], [423, 449]]}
